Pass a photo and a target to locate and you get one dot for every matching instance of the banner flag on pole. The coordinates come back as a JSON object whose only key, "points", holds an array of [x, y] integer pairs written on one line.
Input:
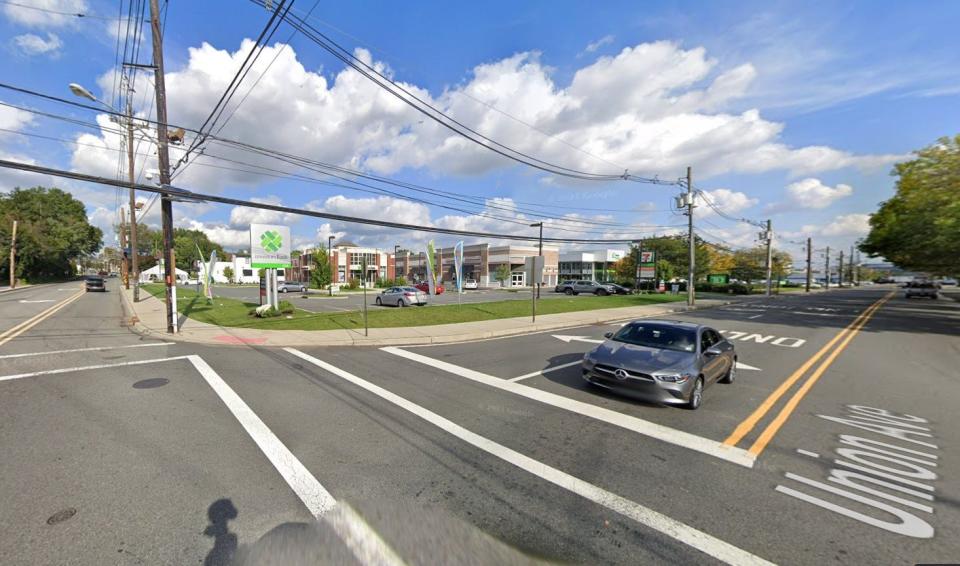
{"points": [[431, 278], [458, 264]]}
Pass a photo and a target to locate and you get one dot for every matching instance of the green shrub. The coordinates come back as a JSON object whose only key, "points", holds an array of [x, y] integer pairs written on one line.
{"points": [[400, 281], [286, 307], [353, 284]]}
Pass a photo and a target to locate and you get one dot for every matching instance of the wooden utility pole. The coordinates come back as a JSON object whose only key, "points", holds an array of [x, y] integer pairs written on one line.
{"points": [[124, 274], [163, 163], [768, 236], [13, 257], [840, 271], [809, 254], [826, 269], [134, 271]]}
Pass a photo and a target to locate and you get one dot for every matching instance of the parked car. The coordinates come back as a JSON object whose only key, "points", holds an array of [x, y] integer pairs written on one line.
{"points": [[190, 281], [425, 287], [471, 284], [584, 286], [562, 286], [94, 283], [921, 289], [291, 287], [667, 362], [402, 297], [617, 289], [948, 281]]}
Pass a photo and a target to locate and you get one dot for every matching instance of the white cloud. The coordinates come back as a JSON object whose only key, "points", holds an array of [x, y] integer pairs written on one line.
{"points": [[221, 234], [844, 225], [812, 193], [242, 216], [32, 17], [31, 44], [730, 202], [14, 119], [669, 112], [594, 45]]}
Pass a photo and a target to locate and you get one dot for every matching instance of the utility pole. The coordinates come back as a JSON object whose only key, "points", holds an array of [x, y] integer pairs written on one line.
{"points": [[13, 257], [123, 245], [639, 260], [690, 285], [134, 271], [826, 268], [539, 253], [850, 266], [768, 236], [163, 161], [809, 272], [840, 271]]}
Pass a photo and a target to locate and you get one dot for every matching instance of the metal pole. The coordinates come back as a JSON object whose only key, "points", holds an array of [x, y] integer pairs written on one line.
{"points": [[769, 238], [690, 285], [809, 273], [13, 257], [363, 283], [539, 254], [827, 269], [134, 254], [124, 274], [840, 271], [163, 163], [330, 263], [850, 266]]}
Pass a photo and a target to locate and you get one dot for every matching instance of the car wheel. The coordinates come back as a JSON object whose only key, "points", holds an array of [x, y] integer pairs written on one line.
{"points": [[696, 396], [401, 303], [303, 289], [603, 292], [731, 373], [283, 289], [379, 302], [569, 292]]}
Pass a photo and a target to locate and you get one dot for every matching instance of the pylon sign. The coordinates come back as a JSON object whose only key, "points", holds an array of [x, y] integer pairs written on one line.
{"points": [[269, 246]]}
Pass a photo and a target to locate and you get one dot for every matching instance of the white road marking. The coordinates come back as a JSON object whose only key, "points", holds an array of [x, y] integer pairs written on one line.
{"points": [[676, 530], [26, 302], [317, 499], [741, 365], [85, 368], [640, 426], [568, 339], [98, 349], [782, 341], [543, 371], [807, 453], [755, 316], [362, 540]]}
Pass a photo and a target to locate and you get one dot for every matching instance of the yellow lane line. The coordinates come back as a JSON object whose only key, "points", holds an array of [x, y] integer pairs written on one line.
{"points": [[36, 319], [789, 407], [750, 422]]}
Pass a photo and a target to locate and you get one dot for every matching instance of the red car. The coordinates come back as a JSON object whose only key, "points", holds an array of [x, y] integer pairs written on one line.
{"points": [[425, 287]]}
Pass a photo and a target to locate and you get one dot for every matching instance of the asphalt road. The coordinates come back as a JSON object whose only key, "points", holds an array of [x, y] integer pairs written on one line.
{"points": [[131, 450]]}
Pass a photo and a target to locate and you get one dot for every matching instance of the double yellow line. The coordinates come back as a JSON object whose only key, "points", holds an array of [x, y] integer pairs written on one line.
{"points": [[843, 338], [19, 329]]}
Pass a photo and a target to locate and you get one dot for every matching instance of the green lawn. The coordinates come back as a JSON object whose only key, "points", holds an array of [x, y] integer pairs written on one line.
{"points": [[231, 312]]}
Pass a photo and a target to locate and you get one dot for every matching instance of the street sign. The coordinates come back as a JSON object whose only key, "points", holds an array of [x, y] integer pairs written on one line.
{"points": [[269, 246], [533, 265], [648, 265], [718, 278]]}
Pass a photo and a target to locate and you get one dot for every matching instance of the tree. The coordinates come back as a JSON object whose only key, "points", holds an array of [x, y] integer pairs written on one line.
{"points": [[670, 250], [52, 230], [749, 264], [919, 227], [502, 274], [322, 273], [185, 243], [721, 260], [228, 273]]}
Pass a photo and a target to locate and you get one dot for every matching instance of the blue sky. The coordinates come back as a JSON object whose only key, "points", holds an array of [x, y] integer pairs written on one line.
{"points": [[793, 111]]}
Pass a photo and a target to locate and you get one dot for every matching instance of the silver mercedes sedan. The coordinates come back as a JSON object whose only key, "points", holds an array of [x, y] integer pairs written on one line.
{"points": [[661, 361]]}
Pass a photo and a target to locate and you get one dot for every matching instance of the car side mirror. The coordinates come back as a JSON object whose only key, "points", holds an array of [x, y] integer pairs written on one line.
{"points": [[608, 335], [714, 351]]}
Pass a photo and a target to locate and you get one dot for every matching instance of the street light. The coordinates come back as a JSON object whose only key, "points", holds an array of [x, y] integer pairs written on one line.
{"points": [[329, 261]]}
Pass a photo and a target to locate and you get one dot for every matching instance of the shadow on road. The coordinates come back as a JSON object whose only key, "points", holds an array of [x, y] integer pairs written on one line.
{"points": [[572, 377], [220, 513]]}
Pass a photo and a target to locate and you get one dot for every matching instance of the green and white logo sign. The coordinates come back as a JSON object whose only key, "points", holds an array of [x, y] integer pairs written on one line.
{"points": [[269, 246]]}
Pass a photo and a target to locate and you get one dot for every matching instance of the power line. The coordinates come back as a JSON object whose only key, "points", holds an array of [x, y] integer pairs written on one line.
{"points": [[59, 12], [185, 195], [430, 111], [709, 200]]}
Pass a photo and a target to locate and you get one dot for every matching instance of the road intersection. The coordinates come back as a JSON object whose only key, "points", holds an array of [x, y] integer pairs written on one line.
{"points": [[836, 446]]}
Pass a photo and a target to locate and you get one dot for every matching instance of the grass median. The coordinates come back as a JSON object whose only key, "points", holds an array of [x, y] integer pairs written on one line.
{"points": [[231, 312]]}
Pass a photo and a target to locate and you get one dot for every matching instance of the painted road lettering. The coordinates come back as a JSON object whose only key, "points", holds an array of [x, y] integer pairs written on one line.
{"points": [[782, 341], [888, 477]]}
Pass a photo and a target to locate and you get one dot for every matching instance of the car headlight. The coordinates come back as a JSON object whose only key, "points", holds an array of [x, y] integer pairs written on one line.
{"points": [[589, 357], [672, 377]]}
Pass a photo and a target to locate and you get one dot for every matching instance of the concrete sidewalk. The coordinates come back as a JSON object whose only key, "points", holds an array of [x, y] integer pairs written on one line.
{"points": [[149, 317]]}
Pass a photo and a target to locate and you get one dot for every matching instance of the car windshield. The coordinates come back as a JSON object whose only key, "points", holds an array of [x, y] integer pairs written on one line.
{"points": [[658, 336], [409, 289]]}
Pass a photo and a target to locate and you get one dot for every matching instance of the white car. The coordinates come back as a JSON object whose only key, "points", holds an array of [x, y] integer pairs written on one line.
{"points": [[470, 284], [189, 281]]}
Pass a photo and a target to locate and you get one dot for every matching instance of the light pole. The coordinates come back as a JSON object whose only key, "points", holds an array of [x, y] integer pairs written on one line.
{"points": [[134, 273], [396, 250], [539, 251], [330, 262]]}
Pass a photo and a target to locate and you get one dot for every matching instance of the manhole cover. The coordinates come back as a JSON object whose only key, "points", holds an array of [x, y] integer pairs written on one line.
{"points": [[151, 383], [61, 516]]}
